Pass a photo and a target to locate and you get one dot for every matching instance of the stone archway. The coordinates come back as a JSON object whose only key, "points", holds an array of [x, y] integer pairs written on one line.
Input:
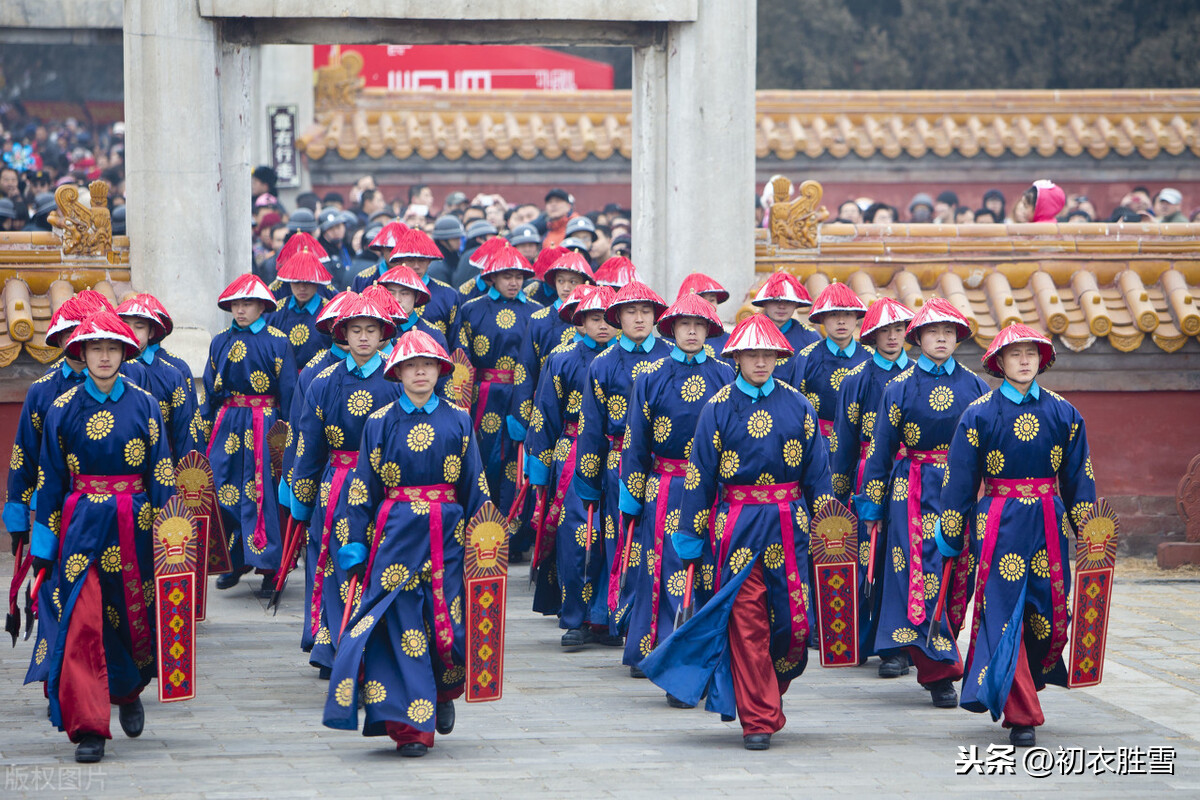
{"points": [[188, 73]]}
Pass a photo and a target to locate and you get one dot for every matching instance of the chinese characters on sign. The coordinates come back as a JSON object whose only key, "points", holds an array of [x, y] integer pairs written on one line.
{"points": [[282, 122], [1040, 762]]}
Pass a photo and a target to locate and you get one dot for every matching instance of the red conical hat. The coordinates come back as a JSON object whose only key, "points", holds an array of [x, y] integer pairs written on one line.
{"points": [[1016, 332], [386, 240], [504, 259], [299, 243], [136, 306], [413, 243], [94, 300], [303, 267], [566, 311], [401, 275], [617, 271], [570, 261], [598, 298], [159, 309], [383, 300], [690, 304], [328, 314], [362, 306], [782, 286], [416, 344], [484, 251], [935, 310], [102, 325], [630, 293], [546, 258], [836, 297], [699, 283], [247, 287], [883, 312], [64, 321], [757, 332]]}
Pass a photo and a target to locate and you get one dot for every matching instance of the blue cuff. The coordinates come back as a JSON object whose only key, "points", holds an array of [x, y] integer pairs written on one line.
{"points": [[516, 431], [43, 542], [300, 511], [945, 548], [16, 517], [687, 546], [867, 511], [629, 507], [539, 473], [587, 493], [350, 554], [286, 498]]}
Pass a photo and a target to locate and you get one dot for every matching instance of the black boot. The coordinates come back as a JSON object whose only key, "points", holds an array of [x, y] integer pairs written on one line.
{"points": [[133, 718], [90, 748], [230, 579], [268, 587], [1022, 736], [444, 719], [635, 671], [893, 666], [757, 741], [413, 750], [577, 637], [675, 702], [942, 693]]}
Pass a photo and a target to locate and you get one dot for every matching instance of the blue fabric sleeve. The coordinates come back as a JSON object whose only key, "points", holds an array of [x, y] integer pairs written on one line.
{"points": [[16, 517], [516, 431], [539, 473], [350, 554], [286, 498], [300, 511], [629, 506], [43, 542], [687, 546], [867, 511], [586, 493], [945, 548]]}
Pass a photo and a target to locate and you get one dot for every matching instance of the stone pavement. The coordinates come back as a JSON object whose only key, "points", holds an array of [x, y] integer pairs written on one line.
{"points": [[573, 724]]}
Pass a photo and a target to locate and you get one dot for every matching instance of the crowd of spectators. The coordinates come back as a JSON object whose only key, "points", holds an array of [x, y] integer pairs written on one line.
{"points": [[345, 225], [1139, 204], [37, 157]]}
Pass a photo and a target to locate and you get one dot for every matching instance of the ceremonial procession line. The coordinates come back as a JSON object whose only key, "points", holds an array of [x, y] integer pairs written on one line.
{"points": [[693, 518]]}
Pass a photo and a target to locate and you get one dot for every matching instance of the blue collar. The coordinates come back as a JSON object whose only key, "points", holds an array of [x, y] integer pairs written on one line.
{"points": [[367, 369], [1011, 392], [426, 278], [494, 293], [481, 284], [845, 352], [253, 327], [885, 365], [338, 352], [787, 326], [407, 325], [557, 304], [684, 358], [147, 355], [311, 307], [629, 346], [118, 389], [755, 393], [409, 407], [925, 363], [588, 342], [383, 266], [385, 352], [69, 373]]}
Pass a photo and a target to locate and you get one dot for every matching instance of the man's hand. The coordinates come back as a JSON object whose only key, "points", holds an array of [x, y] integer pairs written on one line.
{"points": [[40, 564], [18, 538]]}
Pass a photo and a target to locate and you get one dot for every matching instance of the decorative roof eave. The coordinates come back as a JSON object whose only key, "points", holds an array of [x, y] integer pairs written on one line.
{"points": [[788, 125]]}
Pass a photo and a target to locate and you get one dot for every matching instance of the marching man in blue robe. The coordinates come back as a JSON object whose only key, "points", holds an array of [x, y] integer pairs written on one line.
{"points": [[107, 472], [780, 298], [714, 294], [663, 409], [758, 467], [914, 421], [417, 481], [854, 421], [1029, 448], [415, 250], [564, 586], [248, 385], [329, 429], [297, 316]]}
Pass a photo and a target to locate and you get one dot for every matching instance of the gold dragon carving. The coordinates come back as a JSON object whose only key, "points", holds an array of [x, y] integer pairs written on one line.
{"points": [[338, 82], [85, 231], [794, 222]]}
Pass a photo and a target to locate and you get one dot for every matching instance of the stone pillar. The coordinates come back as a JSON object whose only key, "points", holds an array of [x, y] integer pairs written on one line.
{"points": [[187, 181], [283, 74], [693, 149]]}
